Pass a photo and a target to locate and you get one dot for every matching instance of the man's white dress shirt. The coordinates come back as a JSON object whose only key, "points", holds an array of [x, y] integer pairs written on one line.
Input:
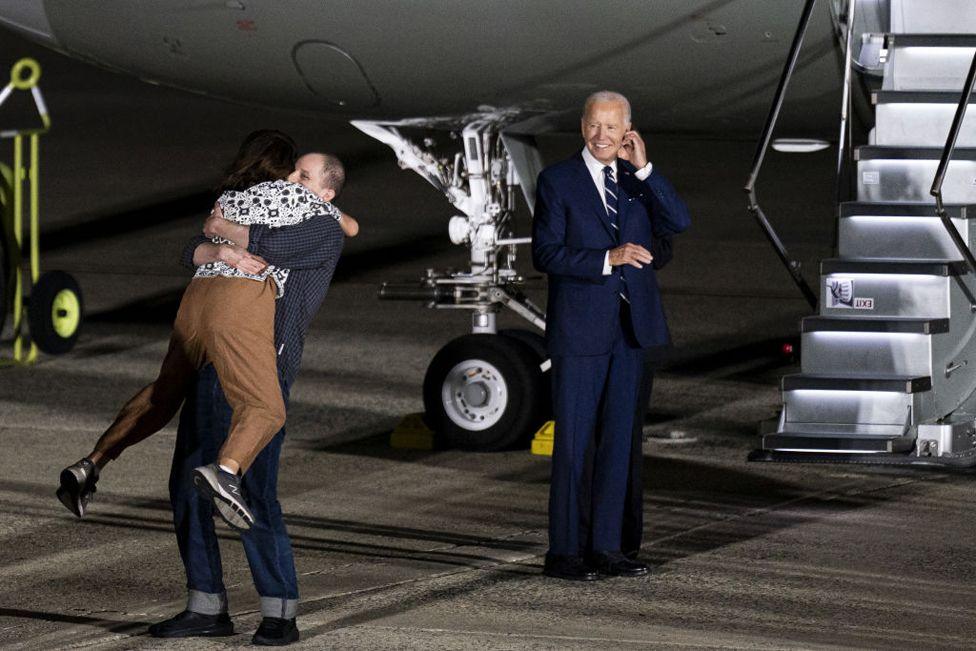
{"points": [[596, 172]]}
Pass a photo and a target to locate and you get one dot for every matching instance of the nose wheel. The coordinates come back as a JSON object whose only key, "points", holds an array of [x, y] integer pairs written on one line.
{"points": [[485, 392]]}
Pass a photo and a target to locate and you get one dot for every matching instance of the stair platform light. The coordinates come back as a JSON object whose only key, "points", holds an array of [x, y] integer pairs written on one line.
{"points": [[799, 145]]}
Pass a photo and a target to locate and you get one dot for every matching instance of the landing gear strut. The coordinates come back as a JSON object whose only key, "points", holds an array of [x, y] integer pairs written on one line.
{"points": [[487, 390]]}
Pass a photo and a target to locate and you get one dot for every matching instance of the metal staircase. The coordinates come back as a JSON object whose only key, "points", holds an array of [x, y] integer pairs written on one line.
{"points": [[888, 366]]}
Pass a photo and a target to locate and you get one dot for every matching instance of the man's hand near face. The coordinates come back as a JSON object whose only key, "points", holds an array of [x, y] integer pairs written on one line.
{"points": [[633, 149]]}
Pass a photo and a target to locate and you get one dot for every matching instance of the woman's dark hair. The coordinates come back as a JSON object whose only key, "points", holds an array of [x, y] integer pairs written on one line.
{"points": [[265, 155]]}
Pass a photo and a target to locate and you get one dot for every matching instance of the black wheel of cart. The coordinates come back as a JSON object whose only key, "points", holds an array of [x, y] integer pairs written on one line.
{"points": [[55, 312]]}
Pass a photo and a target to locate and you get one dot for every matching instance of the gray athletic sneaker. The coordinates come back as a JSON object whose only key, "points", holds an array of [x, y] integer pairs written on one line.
{"points": [[224, 489], [77, 486]]}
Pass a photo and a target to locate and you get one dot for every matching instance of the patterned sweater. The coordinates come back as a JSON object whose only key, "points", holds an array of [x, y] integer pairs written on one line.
{"points": [[273, 204]]}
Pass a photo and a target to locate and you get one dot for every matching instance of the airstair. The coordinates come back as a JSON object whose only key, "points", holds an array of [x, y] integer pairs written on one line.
{"points": [[888, 364]]}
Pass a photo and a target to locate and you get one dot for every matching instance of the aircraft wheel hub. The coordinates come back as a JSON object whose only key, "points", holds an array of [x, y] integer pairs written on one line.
{"points": [[475, 394]]}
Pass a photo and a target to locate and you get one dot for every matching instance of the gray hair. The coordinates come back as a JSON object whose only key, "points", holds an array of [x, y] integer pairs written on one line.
{"points": [[607, 96]]}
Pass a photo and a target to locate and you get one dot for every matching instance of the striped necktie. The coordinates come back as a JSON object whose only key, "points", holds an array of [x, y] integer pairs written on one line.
{"points": [[610, 197]]}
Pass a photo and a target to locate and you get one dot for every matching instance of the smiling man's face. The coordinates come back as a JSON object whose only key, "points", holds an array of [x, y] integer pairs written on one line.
{"points": [[603, 128], [310, 172]]}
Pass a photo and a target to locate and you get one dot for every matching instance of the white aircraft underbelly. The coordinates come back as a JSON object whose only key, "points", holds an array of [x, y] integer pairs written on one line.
{"points": [[702, 66]]}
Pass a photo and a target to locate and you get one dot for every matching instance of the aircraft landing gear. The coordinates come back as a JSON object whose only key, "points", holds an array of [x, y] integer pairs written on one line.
{"points": [[487, 390]]}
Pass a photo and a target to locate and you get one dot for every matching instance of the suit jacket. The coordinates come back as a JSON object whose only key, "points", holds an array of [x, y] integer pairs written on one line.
{"points": [[571, 234]]}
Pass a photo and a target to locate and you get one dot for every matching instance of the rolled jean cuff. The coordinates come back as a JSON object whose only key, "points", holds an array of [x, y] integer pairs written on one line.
{"points": [[206, 603], [277, 607]]}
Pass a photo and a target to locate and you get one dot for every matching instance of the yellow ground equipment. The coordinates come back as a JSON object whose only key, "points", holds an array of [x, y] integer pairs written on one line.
{"points": [[51, 304]]}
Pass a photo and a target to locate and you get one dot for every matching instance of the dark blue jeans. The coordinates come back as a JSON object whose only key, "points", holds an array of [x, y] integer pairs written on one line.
{"points": [[203, 426]]}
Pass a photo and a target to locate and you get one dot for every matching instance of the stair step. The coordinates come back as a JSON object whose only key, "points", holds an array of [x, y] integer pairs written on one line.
{"points": [[861, 288], [894, 383], [821, 443], [881, 152], [932, 40], [946, 268], [872, 324], [915, 118], [933, 62], [870, 209], [905, 174], [875, 353], [936, 17], [880, 97], [908, 231]]}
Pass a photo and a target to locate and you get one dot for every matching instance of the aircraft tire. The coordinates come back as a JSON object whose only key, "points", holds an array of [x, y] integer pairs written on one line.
{"points": [[484, 393], [55, 312], [533, 340], [537, 343]]}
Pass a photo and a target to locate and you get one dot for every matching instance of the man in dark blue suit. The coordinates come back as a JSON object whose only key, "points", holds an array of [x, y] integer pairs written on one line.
{"points": [[596, 217]]}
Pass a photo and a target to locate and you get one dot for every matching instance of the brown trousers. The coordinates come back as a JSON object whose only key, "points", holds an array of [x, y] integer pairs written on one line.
{"points": [[230, 323]]}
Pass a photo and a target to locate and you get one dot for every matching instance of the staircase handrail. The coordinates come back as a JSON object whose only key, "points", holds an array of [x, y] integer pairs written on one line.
{"points": [[844, 143], [792, 265], [940, 173]]}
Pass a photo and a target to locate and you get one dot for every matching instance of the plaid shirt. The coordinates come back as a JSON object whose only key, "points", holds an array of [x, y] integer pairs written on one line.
{"points": [[310, 250], [275, 204]]}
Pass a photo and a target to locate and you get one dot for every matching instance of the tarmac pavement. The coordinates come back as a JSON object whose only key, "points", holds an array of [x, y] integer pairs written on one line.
{"points": [[443, 549]]}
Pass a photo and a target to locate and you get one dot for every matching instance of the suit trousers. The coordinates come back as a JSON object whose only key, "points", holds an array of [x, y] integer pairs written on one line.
{"points": [[633, 521], [229, 322], [595, 400]]}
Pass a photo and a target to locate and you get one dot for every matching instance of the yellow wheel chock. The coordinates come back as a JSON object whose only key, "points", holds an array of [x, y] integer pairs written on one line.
{"points": [[543, 439]]}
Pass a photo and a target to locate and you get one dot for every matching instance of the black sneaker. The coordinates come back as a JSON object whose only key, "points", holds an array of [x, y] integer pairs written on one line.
{"points": [[224, 489], [190, 624], [275, 631], [77, 486]]}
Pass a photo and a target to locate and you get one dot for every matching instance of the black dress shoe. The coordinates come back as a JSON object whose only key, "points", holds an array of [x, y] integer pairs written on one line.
{"points": [[275, 631], [616, 564], [570, 568], [190, 624], [77, 486]]}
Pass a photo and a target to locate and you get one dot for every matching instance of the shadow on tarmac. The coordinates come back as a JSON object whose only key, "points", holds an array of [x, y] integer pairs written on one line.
{"points": [[721, 507], [425, 598], [110, 625]]}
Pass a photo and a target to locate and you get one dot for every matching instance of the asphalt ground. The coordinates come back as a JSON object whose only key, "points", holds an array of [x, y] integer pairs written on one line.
{"points": [[443, 549]]}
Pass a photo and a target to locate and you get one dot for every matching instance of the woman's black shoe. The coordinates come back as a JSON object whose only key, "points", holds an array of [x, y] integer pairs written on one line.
{"points": [[190, 624]]}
